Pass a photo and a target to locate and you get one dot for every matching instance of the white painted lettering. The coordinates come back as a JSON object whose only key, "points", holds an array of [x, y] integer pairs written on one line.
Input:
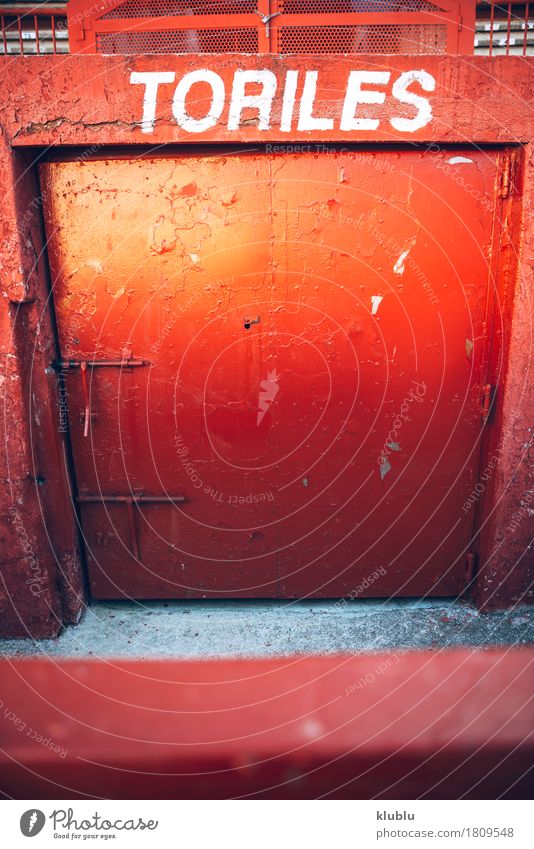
{"points": [[151, 80], [182, 116], [307, 121], [288, 103], [262, 102], [363, 87], [424, 109], [355, 95]]}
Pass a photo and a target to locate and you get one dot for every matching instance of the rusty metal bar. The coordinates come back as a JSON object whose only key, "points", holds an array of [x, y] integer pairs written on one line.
{"points": [[133, 529], [36, 28], [492, 23], [86, 400], [526, 30], [126, 363], [4, 34], [137, 499], [83, 365]]}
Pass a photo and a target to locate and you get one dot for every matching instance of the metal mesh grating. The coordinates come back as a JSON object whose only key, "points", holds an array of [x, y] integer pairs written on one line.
{"points": [[318, 7], [237, 40], [368, 38], [273, 26], [163, 8]]}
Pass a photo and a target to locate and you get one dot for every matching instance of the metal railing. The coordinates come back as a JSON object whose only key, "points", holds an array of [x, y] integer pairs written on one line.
{"points": [[33, 30], [501, 28], [504, 29]]}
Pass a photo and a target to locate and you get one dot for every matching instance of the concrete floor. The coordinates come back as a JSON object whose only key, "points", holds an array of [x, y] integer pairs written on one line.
{"points": [[262, 628]]}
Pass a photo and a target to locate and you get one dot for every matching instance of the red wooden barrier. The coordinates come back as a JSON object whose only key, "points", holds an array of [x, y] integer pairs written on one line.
{"points": [[437, 725]]}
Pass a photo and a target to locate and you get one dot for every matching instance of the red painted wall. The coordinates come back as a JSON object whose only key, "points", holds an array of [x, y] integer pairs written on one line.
{"points": [[89, 102], [394, 726]]}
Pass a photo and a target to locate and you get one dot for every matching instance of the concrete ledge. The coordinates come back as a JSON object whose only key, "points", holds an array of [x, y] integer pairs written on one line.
{"points": [[210, 629]]}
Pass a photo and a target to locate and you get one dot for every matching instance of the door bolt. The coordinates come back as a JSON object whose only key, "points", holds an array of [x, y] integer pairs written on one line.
{"points": [[247, 321]]}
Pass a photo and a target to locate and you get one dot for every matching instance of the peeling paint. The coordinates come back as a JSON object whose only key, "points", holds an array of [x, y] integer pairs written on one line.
{"points": [[459, 160], [189, 190], [376, 300], [95, 264], [398, 268], [162, 238]]}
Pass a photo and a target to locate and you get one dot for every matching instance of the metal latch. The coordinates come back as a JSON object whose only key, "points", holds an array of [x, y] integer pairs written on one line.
{"points": [[83, 365], [266, 19]]}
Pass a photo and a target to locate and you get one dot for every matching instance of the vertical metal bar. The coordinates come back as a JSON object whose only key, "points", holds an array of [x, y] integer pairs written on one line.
{"points": [[273, 26], [263, 11], [4, 34], [508, 29], [21, 43], [53, 25], [492, 23], [526, 31], [133, 528], [36, 28], [86, 401]]}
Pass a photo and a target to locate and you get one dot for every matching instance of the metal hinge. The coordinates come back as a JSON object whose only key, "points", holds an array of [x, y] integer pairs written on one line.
{"points": [[506, 176], [488, 397]]}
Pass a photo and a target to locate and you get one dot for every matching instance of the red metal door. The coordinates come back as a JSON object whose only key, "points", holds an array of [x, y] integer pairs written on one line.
{"points": [[277, 359]]}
